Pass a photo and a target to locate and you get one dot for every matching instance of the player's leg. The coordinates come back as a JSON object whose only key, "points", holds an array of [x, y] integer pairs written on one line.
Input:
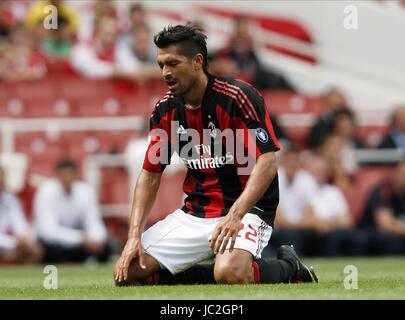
{"points": [[173, 245], [244, 264], [240, 267], [196, 274], [234, 267]]}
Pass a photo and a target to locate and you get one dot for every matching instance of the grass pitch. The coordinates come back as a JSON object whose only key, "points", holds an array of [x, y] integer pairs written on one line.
{"points": [[378, 278]]}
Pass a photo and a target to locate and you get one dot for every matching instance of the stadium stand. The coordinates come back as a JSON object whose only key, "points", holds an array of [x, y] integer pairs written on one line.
{"points": [[32, 115]]}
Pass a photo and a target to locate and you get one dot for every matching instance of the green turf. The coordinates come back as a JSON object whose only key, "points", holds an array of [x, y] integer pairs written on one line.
{"points": [[379, 278]]}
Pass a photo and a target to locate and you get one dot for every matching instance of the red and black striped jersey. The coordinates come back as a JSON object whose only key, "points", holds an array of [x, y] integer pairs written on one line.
{"points": [[218, 143]]}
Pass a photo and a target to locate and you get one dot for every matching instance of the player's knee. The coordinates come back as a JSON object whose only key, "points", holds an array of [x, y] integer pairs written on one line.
{"points": [[230, 274]]}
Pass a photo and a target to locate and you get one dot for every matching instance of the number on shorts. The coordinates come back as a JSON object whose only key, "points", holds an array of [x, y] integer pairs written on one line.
{"points": [[248, 235]]}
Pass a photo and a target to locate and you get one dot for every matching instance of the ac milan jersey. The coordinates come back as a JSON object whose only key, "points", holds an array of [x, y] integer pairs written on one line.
{"points": [[209, 140]]}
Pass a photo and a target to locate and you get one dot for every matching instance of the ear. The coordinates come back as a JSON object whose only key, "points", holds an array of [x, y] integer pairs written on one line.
{"points": [[198, 61]]}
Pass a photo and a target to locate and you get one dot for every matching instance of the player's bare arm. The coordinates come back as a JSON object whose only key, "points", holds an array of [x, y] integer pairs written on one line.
{"points": [[259, 181], [144, 196]]}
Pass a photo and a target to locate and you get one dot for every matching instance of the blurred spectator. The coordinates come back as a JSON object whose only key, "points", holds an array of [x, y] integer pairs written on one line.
{"points": [[20, 60], [137, 16], [17, 241], [395, 139], [7, 19], [97, 58], [293, 223], [67, 218], [384, 217], [342, 160], [330, 209], [313, 215], [333, 101], [137, 55], [58, 43], [134, 156], [239, 60], [344, 126], [92, 12]]}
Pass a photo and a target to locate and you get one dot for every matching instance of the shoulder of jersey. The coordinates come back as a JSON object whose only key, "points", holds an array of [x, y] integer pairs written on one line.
{"points": [[164, 103], [231, 83], [242, 94]]}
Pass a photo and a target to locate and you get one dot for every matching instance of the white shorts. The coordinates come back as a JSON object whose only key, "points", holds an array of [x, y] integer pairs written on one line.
{"points": [[181, 240]]}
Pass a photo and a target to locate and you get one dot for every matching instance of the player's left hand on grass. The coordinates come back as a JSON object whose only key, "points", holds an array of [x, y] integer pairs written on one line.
{"points": [[226, 230], [133, 249]]}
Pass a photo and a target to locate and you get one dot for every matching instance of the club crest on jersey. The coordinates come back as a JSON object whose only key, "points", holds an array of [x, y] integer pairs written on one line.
{"points": [[213, 130], [262, 135]]}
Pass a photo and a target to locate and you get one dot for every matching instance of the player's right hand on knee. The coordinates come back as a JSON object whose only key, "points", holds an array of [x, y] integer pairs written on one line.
{"points": [[133, 249]]}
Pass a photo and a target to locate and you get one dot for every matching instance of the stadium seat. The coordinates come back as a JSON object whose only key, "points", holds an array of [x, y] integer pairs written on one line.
{"points": [[99, 107], [364, 181], [79, 144], [114, 141], [298, 135], [372, 135], [114, 186], [48, 108], [140, 103], [26, 90], [77, 89], [14, 108], [284, 101]]}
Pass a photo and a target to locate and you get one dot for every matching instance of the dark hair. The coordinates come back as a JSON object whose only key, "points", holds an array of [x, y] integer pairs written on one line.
{"points": [[189, 39], [341, 114], [66, 163], [136, 7]]}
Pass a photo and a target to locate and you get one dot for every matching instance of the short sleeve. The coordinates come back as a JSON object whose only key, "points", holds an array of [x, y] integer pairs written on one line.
{"points": [[252, 116], [159, 149]]}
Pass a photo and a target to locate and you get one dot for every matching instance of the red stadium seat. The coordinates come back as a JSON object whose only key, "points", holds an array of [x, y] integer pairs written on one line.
{"points": [[49, 108], [36, 89], [299, 135], [281, 102], [114, 186], [114, 141], [76, 89], [37, 144], [372, 135], [14, 108], [364, 181], [79, 144], [99, 107], [140, 103]]}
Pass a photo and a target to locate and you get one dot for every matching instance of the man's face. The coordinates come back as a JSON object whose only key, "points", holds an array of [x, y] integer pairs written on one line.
{"points": [[66, 176], [345, 126], [107, 32], [320, 169], [178, 71], [333, 101], [142, 43], [291, 164]]}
